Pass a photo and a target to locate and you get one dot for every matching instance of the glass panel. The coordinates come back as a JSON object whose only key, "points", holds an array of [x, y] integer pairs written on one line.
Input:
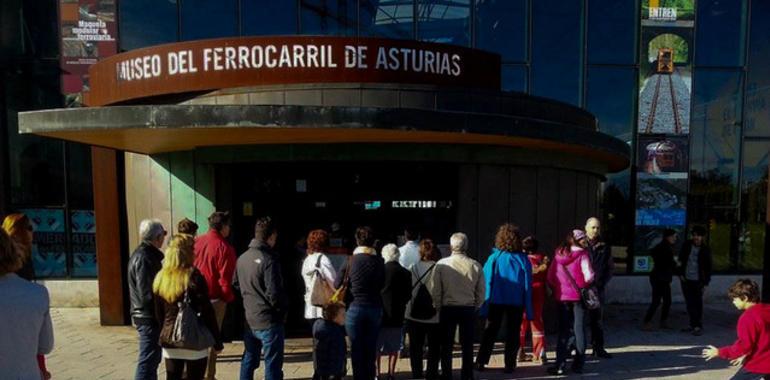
{"points": [[329, 17], [81, 194], [140, 27], [715, 137], [514, 78], [36, 163], [203, 19], [619, 216], [721, 226], [751, 238], [611, 97], [612, 26], [501, 27], [757, 122], [40, 28], [83, 238], [391, 19], [268, 17], [720, 31], [445, 21], [49, 244], [557, 50]]}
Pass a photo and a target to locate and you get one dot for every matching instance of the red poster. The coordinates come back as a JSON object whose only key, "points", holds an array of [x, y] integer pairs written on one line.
{"points": [[88, 30]]}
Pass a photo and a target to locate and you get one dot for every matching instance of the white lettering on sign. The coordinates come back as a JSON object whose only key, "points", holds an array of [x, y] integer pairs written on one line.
{"points": [[662, 14], [228, 58], [91, 31]]}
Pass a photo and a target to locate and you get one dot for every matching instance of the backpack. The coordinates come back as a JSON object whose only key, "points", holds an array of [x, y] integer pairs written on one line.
{"points": [[422, 303]]}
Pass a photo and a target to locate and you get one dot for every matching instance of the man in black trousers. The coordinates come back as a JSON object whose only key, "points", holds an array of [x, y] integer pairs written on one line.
{"points": [[601, 260], [695, 274]]}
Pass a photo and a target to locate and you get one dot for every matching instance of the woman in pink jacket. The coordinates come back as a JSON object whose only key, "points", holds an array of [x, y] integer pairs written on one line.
{"points": [[570, 272]]}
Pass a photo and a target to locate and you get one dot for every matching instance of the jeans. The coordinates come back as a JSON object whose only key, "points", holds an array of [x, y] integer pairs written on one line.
{"points": [[661, 290], [220, 307], [571, 324], [693, 297], [362, 324], [149, 352], [418, 332], [270, 342], [195, 369], [452, 317], [513, 316]]}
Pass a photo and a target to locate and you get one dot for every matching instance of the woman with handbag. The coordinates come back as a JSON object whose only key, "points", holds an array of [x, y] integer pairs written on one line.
{"points": [[318, 274], [361, 279], [422, 318], [182, 307], [570, 277], [508, 275]]}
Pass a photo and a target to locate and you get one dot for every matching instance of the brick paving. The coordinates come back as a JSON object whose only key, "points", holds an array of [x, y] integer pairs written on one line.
{"points": [[85, 350]]}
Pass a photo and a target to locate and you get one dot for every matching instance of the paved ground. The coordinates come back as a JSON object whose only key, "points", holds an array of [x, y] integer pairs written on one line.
{"points": [[85, 350]]}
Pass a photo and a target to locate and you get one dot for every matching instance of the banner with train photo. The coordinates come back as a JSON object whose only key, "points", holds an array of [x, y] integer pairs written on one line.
{"points": [[662, 143]]}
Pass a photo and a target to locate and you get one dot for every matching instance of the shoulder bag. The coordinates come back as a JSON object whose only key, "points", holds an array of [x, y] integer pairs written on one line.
{"points": [[322, 291], [189, 330], [589, 296], [422, 303]]}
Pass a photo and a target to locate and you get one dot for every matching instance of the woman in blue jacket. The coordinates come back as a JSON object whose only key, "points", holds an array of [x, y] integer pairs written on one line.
{"points": [[508, 274]]}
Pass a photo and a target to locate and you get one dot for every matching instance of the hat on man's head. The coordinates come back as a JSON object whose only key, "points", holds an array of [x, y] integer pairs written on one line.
{"points": [[578, 234]]}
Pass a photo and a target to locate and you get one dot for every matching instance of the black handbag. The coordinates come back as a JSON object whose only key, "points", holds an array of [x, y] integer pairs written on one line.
{"points": [[589, 296], [189, 330], [422, 304]]}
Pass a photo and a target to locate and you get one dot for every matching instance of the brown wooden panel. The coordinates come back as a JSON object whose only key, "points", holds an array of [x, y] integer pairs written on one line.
{"points": [[494, 182], [109, 244], [581, 200], [547, 209], [467, 207], [212, 64], [567, 201], [523, 201]]}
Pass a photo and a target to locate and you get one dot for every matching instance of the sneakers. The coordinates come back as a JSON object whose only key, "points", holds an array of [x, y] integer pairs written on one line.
{"points": [[602, 353], [697, 331], [556, 370]]}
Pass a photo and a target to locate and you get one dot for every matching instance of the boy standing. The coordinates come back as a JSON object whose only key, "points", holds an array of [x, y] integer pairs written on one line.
{"points": [[752, 348]]}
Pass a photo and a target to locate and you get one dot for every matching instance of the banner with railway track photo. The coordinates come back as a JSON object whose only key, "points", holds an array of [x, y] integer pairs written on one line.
{"points": [[665, 91], [666, 66]]}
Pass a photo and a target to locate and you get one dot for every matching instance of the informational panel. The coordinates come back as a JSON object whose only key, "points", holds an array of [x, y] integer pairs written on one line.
{"points": [[49, 250], [88, 29]]}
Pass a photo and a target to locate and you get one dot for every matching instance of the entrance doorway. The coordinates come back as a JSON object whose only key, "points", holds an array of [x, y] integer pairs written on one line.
{"points": [[339, 196]]}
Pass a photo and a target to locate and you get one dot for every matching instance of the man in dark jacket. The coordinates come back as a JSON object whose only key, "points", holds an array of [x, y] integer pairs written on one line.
{"points": [[258, 273], [601, 260], [695, 274], [660, 278], [143, 265]]}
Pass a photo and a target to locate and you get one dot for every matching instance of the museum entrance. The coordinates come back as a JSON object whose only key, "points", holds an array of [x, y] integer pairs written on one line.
{"points": [[337, 197]]}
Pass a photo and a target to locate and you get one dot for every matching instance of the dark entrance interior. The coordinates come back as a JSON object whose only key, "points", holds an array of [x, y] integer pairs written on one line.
{"points": [[310, 195]]}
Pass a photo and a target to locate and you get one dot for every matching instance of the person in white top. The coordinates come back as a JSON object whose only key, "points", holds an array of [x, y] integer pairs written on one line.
{"points": [[316, 263], [410, 251]]}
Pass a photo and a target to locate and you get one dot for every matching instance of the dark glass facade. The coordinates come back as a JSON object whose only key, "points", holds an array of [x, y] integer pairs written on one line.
{"points": [[49, 180], [585, 53]]}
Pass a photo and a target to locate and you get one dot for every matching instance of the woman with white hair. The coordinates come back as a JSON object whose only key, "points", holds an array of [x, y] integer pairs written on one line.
{"points": [[395, 295]]}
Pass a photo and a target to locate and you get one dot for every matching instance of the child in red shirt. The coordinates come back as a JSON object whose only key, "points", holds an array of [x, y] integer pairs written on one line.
{"points": [[752, 349], [539, 271]]}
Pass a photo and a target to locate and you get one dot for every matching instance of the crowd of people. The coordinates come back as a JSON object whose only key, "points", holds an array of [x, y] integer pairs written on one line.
{"points": [[379, 301]]}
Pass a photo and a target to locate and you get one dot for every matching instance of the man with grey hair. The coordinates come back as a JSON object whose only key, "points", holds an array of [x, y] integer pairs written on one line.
{"points": [[458, 289], [601, 261], [144, 264]]}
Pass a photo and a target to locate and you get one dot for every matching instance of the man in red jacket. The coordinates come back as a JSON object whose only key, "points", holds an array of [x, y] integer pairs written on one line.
{"points": [[752, 349], [215, 259]]}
